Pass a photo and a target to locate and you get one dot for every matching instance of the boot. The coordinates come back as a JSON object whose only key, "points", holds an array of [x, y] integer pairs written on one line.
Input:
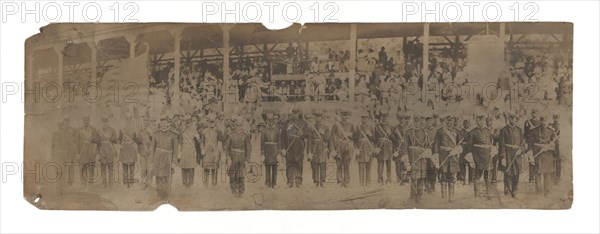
{"points": [[450, 192], [476, 188], [443, 185]]}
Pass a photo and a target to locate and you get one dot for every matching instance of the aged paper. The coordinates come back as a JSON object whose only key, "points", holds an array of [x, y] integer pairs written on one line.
{"points": [[314, 116]]}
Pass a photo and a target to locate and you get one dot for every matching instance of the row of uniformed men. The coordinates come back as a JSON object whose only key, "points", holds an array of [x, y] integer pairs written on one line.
{"points": [[420, 151]]}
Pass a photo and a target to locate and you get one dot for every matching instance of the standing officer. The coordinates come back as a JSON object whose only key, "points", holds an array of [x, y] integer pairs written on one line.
{"points": [[144, 150], [128, 155], [384, 148], [108, 152], [510, 146], [165, 145], [208, 141], [237, 147], [187, 151], [294, 144], [398, 140], [431, 127], [466, 169], [446, 146], [544, 147], [317, 147], [60, 146], [70, 138], [364, 150], [414, 154], [342, 134], [528, 126], [557, 159], [479, 142], [272, 149], [87, 150]]}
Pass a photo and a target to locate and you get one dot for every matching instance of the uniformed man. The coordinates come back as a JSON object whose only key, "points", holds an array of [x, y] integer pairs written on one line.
{"points": [[237, 147], [294, 143], [528, 126], [415, 152], [318, 148], [342, 151], [272, 149], [544, 147], [557, 159], [186, 158], [479, 143], [61, 147], [89, 138], [365, 149], [209, 139], [447, 146], [145, 153], [108, 152], [384, 148], [165, 146], [69, 158], [398, 140], [431, 127], [466, 169], [510, 146], [495, 130], [128, 154]]}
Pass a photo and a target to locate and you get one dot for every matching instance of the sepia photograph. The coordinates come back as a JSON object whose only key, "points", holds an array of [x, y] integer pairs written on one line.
{"points": [[316, 116]]}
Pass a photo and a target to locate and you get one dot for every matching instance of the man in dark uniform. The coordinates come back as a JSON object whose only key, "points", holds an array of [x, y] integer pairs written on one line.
{"points": [[62, 148], [544, 147], [510, 147], [363, 137], [108, 152], [447, 146], [494, 153], [529, 125], [318, 148], [342, 134], [165, 145], [70, 138], [237, 147], [479, 143], [294, 143], [89, 138], [431, 127], [128, 155], [271, 142], [463, 174], [384, 148], [414, 154], [398, 140], [557, 159]]}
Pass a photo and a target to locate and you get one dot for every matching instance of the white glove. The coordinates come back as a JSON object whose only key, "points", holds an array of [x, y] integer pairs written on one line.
{"points": [[494, 150], [405, 160], [503, 162], [283, 152], [529, 155], [436, 160], [456, 151], [469, 158], [395, 154]]}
